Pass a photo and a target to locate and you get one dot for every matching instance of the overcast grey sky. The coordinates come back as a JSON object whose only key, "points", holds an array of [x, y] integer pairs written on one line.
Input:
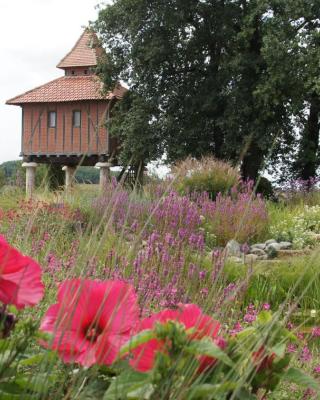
{"points": [[34, 36]]}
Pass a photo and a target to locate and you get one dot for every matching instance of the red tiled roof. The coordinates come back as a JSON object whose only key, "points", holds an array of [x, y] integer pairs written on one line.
{"points": [[68, 88], [84, 53]]}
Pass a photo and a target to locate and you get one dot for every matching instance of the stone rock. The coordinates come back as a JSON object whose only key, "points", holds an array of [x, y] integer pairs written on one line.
{"points": [[285, 245], [273, 249], [261, 246], [233, 249], [258, 252], [270, 241], [264, 257], [275, 246], [250, 258]]}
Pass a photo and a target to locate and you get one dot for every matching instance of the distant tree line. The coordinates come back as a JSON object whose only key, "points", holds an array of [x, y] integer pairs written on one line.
{"points": [[237, 79], [12, 173]]}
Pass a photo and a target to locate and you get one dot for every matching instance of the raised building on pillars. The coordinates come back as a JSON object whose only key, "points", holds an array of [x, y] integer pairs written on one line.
{"points": [[64, 121]]}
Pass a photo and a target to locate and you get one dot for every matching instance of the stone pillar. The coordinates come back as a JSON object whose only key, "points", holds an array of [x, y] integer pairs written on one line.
{"points": [[30, 177], [104, 173], [70, 172]]}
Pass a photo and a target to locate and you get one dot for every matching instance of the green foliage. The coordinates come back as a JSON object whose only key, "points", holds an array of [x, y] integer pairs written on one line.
{"points": [[300, 227], [55, 176], [265, 188], [87, 175], [205, 175], [254, 350], [231, 78], [2, 178], [132, 121], [68, 243], [276, 281], [12, 173]]}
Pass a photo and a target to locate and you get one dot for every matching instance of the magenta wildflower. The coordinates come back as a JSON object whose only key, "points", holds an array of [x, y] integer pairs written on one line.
{"points": [[249, 318], [316, 369], [291, 348], [316, 331], [236, 328], [305, 355], [202, 274]]}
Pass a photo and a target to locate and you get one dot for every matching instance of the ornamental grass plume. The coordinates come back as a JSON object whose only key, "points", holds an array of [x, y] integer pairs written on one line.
{"points": [[205, 175], [91, 320], [20, 278]]}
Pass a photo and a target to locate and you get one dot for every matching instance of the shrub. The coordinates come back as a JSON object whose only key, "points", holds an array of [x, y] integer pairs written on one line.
{"points": [[300, 228], [242, 215], [265, 188], [205, 175], [2, 178]]}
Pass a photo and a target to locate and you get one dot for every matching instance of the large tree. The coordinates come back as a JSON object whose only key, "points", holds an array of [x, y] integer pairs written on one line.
{"points": [[224, 77]]}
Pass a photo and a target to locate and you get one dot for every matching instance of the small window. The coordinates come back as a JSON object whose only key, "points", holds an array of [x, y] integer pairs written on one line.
{"points": [[73, 72], [52, 119], [86, 72], [76, 119]]}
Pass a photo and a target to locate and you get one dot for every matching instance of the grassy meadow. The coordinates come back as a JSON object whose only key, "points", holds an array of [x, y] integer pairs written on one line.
{"points": [[170, 247]]}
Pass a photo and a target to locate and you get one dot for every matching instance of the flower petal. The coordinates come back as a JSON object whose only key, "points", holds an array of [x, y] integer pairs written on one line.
{"points": [[24, 275]]}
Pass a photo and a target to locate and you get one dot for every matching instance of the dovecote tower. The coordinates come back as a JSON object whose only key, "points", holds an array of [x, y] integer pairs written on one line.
{"points": [[64, 121]]}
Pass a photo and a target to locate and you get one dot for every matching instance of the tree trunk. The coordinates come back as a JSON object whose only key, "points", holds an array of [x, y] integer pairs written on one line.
{"points": [[138, 175], [251, 161], [56, 176], [308, 154]]}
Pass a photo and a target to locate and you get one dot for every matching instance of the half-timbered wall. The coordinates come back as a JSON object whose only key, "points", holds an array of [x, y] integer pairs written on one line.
{"points": [[65, 139]]}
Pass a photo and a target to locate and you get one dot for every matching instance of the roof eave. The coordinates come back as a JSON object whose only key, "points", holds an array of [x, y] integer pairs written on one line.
{"points": [[62, 66]]}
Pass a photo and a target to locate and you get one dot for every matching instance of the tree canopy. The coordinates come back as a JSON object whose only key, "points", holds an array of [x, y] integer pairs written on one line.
{"points": [[237, 79]]}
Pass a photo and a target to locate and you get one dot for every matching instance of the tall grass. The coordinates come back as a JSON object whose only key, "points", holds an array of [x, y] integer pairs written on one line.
{"points": [[158, 244]]}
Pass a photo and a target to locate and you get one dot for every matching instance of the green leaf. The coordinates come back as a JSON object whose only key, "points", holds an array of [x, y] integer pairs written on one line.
{"points": [[264, 317], [39, 383], [210, 349], [209, 391], [142, 393], [10, 396], [125, 383], [297, 376], [136, 341], [244, 394], [279, 349], [39, 358], [246, 332]]}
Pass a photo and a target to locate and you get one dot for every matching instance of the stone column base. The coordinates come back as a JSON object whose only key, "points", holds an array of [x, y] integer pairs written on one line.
{"points": [[70, 173], [30, 177], [104, 173]]}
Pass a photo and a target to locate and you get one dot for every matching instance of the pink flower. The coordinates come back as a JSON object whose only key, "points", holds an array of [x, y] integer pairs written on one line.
{"points": [[266, 306], [249, 318], [291, 348], [20, 278], [316, 331], [317, 369], [305, 355], [190, 316], [91, 320], [236, 329]]}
